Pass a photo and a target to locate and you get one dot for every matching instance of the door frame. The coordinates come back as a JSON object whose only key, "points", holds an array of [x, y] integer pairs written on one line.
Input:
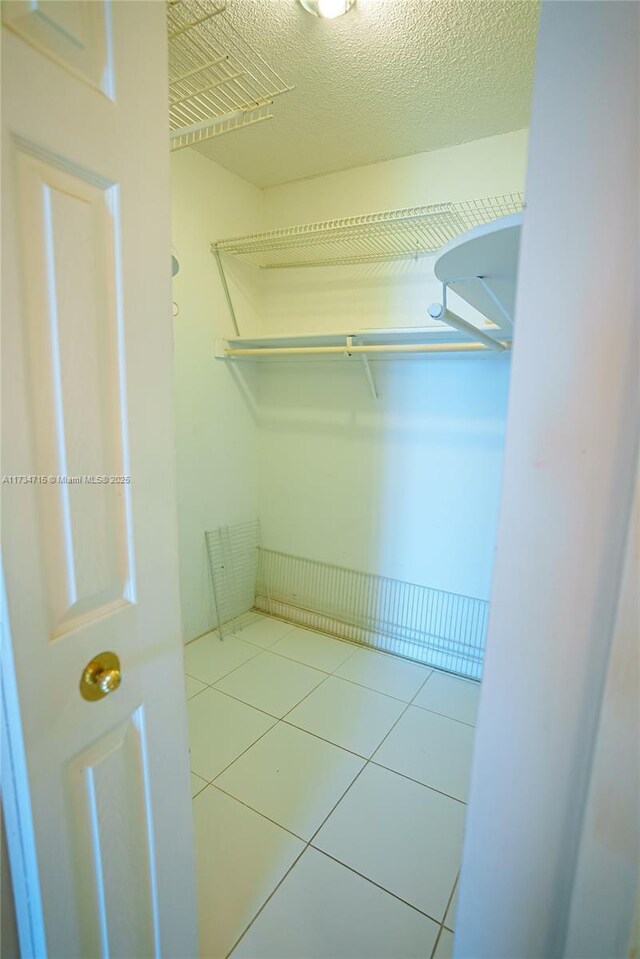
{"points": [[495, 705], [571, 446], [16, 803]]}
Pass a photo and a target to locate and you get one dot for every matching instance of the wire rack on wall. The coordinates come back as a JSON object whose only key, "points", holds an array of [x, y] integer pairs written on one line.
{"points": [[392, 235], [218, 82], [430, 626], [233, 564]]}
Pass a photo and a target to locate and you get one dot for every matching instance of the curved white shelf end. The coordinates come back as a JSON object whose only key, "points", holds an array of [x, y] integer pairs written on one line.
{"points": [[481, 266]]}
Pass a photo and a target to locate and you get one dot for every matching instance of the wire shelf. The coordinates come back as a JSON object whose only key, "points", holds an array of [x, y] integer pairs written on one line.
{"points": [[392, 235], [218, 82], [233, 564]]}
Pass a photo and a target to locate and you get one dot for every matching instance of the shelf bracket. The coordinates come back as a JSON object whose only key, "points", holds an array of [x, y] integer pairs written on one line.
{"points": [[367, 367], [225, 287], [498, 302], [369, 375]]}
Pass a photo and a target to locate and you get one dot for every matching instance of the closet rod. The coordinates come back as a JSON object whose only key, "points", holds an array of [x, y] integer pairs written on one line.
{"points": [[440, 311], [348, 350]]}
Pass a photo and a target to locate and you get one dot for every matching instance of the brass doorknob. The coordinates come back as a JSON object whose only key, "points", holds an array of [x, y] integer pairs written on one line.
{"points": [[100, 677]]}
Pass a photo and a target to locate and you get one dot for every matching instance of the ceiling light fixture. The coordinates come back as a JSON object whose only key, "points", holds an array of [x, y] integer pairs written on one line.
{"points": [[327, 9]]}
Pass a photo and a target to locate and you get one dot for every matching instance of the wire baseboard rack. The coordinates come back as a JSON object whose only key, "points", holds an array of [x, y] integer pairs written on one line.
{"points": [[218, 81], [374, 237], [425, 625], [428, 626]]}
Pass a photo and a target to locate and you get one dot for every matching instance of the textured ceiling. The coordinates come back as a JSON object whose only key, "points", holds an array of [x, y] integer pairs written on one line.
{"points": [[389, 79]]}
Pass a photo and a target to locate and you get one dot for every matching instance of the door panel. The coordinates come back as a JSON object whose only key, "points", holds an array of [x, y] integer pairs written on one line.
{"points": [[109, 785], [74, 34], [71, 297], [91, 566]]}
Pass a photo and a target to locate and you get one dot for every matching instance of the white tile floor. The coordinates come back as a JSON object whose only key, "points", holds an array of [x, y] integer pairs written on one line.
{"points": [[329, 785]]}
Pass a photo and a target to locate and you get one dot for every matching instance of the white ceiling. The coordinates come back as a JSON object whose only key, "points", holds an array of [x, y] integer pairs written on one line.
{"points": [[389, 79]]}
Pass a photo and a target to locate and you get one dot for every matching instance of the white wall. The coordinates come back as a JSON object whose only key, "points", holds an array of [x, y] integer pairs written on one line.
{"points": [[380, 294], [216, 429], [480, 168], [407, 486]]}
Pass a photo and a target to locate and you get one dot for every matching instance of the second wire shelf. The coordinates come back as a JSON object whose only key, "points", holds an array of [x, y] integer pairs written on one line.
{"points": [[391, 235]]}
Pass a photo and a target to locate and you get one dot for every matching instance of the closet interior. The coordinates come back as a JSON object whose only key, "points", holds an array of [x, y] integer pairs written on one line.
{"points": [[347, 194]]}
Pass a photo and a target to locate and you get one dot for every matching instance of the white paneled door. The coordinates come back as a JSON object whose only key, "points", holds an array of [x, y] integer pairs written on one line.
{"points": [[95, 762]]}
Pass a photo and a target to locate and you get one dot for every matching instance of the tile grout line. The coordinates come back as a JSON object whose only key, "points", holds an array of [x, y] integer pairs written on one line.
{"points": [[327, 675], [205, 686], [416, 781], [398, 657], [246, 750], [339, 639], [261, 814], [306, 696], [366, 762], [336, 639], [307, 845], [309, 732], [224, 676], [353, 682], [361, 875], [243, 702], [322, 739], [333, 675], [215, 687], [200, 790], [283, 719], [340, 665], [263, 649], [330, 813], [442, 925], [451, 897], [265, 903], [401, 715], [276, 721], [371, 689], [270, 649], [454, 719], [216, 629], [371, 648], [366, 759]]}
